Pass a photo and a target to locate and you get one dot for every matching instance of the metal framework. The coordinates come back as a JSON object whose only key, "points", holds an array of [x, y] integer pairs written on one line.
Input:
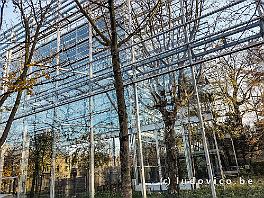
{"points": [[81, 73]]}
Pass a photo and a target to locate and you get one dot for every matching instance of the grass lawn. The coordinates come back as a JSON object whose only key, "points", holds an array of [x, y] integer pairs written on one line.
{"points": [[235, 190]]}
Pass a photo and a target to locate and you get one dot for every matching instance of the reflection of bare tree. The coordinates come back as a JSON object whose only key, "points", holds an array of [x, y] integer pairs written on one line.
{"points": [[82, 153], [173, 91], [168, 102], [39, 159], [11, 169], [33, 16]]}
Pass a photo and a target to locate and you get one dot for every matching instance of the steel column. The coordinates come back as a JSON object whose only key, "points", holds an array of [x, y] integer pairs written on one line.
{"points": [[91, 182], [206, 151]]}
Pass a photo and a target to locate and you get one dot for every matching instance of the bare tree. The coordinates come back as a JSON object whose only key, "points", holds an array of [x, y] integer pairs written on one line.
{"points": [[110, 13], [236, 80], [33, 16]]}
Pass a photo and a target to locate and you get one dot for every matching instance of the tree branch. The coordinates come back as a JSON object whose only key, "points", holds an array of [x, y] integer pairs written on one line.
{"points": [[2, 12], [10, 119], [140, 26], [86, 14]]}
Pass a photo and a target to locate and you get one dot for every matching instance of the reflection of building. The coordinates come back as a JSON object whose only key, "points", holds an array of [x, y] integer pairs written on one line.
{"points": [[63, 171], [74, 46], [11, 159]]}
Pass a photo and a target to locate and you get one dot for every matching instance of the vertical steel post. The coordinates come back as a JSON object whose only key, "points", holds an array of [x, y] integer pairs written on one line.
{"points": [[216, 146], [135, 159], [4, 89], [158, 155], [55, 121], [24, 163], [206, 150], [25, 153], [233, 146], [2, 158], [91, 182], [218, 156], [142, 169], [53, 164], [187, 152]]}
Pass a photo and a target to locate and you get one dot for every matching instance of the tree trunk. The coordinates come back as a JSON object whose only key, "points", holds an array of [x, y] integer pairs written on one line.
{"points": [[172, 157], [121, 106], [237, 116], [10, 119]]}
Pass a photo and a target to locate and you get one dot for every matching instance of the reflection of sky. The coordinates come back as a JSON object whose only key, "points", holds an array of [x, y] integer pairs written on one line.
{"points": [[73, 112], [10, 17]]}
